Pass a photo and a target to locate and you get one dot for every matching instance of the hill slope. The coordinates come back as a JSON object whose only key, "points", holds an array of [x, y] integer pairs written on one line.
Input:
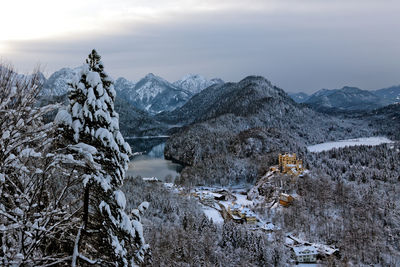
{"points": [[238, 129], [391, 94], [386, 120], [136, 122], [345, 99]]}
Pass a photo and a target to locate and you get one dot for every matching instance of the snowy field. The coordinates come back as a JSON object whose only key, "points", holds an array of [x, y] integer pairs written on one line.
{"points": [[242, 200], [213, 214], [367, 141]]}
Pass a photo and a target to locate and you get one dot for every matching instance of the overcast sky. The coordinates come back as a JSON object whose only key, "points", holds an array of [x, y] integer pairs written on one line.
{"points": [[299, 45]]}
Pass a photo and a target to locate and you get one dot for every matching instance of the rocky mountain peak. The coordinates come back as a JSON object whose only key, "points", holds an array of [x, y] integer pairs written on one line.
{"points": [[57, 83], [195, 83]]}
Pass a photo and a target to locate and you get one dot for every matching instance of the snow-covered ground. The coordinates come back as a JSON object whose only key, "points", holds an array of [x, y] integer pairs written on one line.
{"points": [[213, 214], [242, 200], [368, 141]]}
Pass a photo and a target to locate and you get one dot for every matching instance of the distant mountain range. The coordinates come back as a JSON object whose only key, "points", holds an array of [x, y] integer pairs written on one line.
{"points": [[392, 94], [349, 99], [299, 97], [195, 83], [155, 94], [152, 93], [233, 131], [137, 103], [154, 106]]}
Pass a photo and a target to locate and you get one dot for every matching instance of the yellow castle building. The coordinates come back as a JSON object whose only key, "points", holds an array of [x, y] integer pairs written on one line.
{"points": [[289, 164]]}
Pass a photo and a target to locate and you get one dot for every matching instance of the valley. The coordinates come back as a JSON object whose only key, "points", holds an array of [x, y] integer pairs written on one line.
{"points": [[261, 207], [210, 156]]}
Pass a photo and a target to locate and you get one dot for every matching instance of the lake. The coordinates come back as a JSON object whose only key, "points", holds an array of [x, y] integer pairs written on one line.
{"points": [[151, 162], [362, 141]]}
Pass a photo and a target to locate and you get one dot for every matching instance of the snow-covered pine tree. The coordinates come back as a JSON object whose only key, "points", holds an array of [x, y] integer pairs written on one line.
{"points": [[108, 235]]}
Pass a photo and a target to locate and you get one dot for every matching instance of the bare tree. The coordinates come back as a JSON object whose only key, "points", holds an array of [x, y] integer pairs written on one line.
{"points": [[34, 216]]}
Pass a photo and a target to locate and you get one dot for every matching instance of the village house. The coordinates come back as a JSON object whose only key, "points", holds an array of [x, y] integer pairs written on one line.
{"points": [[241, 214], [285, 199], [248, 215], [305, 254]]}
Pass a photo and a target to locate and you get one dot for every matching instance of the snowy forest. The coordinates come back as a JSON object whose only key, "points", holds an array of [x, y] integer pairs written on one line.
{"points": [[67, 199], [61, 202]]}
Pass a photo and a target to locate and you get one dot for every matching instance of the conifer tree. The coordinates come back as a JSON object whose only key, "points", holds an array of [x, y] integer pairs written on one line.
{"points": [[107, 236]]}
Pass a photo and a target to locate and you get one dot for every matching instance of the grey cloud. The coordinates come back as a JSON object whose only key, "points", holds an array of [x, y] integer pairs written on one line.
{"points": [[295, 50]]}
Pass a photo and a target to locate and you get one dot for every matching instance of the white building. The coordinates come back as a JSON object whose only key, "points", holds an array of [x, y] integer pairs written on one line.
{"points": [[305, 253]]}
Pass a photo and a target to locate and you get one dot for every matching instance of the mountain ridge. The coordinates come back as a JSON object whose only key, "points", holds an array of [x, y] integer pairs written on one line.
{"points": [[247, 126], [152, 93], [345, 99], [391, 93], [195, 83]]}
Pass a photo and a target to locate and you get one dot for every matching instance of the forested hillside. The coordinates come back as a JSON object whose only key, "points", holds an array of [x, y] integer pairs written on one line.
{"points": [[242, 127]]}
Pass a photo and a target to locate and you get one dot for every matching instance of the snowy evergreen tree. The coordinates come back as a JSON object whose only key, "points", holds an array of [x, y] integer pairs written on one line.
{"points": [[107, 235]]}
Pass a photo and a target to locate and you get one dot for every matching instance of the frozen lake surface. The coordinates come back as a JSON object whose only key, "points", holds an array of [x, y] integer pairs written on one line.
{"points": [[153, 164], [147, 166], [368, 141]]}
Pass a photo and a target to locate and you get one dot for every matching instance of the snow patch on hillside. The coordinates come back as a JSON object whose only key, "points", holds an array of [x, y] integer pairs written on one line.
{"points": [[363, 141], [213, 214], [195, 83]]}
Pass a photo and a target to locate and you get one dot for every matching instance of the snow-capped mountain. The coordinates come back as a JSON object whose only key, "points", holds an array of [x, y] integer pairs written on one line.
{"points": [[18, 76], [345, 99], [299, 97], [240, 99], [124, 85], [195, 83], [42, 78], [57, 83], [151, 93], [150, 87], [124, 88], [391, 94], [155, 94]]}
